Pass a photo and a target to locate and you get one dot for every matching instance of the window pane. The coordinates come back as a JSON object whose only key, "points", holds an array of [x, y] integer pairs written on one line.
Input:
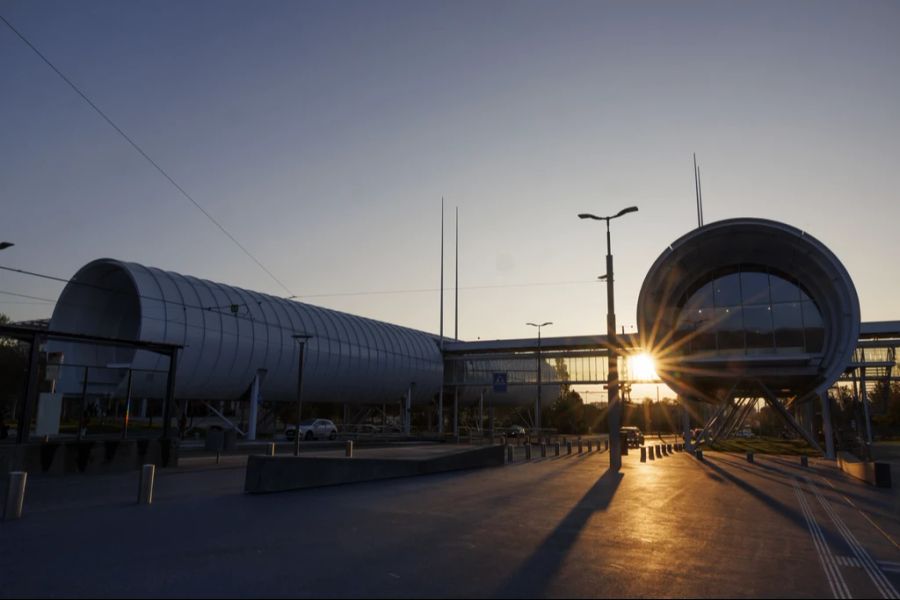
{"points": [[783, 291], [730, 330], [702, 298], [788, 321], [815, 332], [754, 288], [728, 290], [758, 328]]}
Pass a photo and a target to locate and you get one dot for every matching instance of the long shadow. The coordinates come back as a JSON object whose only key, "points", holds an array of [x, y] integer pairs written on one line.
{"points": [[786, 511], [533, 577]]}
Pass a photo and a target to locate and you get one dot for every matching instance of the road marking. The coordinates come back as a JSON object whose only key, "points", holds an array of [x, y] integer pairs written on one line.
{"points": [[863, 513], [848, 561], [885, 587], [833, 574]]}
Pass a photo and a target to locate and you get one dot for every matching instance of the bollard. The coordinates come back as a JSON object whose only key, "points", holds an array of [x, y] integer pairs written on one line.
{"points": [[568, 447], [527, 451], [658, 451], [271, 449], [557, 448], [145, 488], [669, 448], [509, 454], [664, 451], [606, 444], [749, 457], [218, 453], [804, 461], [643, 454], [580, 446], [348, 449], [699, 454], [649, 450], [543, 450], [590, 446], [15, 495]]}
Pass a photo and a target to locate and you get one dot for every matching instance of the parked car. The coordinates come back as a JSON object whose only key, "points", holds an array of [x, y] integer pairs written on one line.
{"points": [[313, 429], [515, 431], [634, 435]]}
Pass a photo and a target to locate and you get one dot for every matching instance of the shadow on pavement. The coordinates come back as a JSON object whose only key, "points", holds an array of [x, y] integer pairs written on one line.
{"points": [[533, 577]]}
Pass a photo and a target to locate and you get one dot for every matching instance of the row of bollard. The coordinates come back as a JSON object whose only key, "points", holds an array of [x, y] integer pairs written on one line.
{"points": [[15, 492], [659, 451], [556, 447]]}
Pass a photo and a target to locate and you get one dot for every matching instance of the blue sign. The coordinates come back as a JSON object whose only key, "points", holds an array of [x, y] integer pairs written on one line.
{"points": [[500, 382]]}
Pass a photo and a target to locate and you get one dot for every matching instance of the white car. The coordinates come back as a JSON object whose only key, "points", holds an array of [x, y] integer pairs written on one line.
{"points": [[313, 429]]}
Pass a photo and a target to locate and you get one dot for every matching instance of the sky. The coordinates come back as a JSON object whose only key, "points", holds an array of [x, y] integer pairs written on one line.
{"points": [[323, 135]]}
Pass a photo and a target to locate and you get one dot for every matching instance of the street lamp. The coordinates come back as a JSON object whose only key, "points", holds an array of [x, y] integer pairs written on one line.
{"points": [[301, 339], [614, 413], [537, 406], [5, 245]]}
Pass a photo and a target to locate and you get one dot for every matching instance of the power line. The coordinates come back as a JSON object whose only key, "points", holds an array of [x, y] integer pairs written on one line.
{"points": [[144, 154]]}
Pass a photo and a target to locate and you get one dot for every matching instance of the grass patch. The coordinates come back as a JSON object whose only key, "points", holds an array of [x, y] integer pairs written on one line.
{"points": [[763, 445]]}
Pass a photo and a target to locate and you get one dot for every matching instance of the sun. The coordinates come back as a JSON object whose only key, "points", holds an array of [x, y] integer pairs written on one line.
{"points": [[642, 367]]}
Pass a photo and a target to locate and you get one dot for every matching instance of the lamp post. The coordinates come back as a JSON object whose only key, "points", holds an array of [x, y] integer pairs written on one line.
{"points": [[301, 339], [5, 245], [537, 405], [614, 414]]}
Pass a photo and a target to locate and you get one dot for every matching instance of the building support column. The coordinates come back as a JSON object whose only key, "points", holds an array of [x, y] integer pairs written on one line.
{"points": [[864, 397], [255, 400], [481, 411], [407, 411], [686, 423], [826, 424], [440, 411], [456, 411]]}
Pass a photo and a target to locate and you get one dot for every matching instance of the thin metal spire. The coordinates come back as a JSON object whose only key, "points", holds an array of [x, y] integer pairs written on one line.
{"points": [[456, 299], [442, 274], [697, 192]]}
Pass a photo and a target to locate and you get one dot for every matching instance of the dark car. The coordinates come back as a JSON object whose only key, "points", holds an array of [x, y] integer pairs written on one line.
{"points": [[633, 435]]}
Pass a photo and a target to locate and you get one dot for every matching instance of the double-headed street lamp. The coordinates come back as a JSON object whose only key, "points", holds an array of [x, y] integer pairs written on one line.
{"points": [[614, 412], [537, 405]]}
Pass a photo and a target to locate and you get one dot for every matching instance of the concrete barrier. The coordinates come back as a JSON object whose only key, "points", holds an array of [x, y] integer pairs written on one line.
{"points": [[658, 451], [87, 456], [280, 473], [874, 473], [649, 450], [643, 454]]}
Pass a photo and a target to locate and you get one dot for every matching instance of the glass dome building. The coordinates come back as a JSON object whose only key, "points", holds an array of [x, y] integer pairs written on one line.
{"points": [[744, 303]]}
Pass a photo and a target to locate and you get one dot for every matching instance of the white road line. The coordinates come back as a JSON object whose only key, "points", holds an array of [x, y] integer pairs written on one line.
{"points": [[885, 587], [833, 574]]}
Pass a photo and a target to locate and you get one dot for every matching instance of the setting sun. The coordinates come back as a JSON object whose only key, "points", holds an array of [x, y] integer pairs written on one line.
{"points": [[642, 367]]}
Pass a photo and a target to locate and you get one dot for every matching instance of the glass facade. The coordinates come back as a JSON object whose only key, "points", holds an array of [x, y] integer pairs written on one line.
{"points": [[750, 312]]}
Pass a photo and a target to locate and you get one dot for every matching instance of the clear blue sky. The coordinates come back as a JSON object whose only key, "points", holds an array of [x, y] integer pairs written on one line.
{"points": [[323, 135]]}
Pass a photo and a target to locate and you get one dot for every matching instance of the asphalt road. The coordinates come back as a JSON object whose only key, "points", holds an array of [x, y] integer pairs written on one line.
{"points": [[674, 527]]}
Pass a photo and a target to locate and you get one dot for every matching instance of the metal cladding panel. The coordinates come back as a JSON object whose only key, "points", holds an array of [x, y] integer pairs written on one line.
{"points": [[349, 359]]}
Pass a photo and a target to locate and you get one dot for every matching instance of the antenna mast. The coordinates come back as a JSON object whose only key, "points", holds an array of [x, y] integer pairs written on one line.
{"points": [[442, 273], [456, 299]]}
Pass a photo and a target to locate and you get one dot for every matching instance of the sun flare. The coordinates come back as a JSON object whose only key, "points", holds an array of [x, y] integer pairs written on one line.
{"points": [[642, 367]]}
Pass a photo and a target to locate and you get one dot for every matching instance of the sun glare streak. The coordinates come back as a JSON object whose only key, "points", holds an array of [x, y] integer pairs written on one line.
{"points": [[642, 367]]}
